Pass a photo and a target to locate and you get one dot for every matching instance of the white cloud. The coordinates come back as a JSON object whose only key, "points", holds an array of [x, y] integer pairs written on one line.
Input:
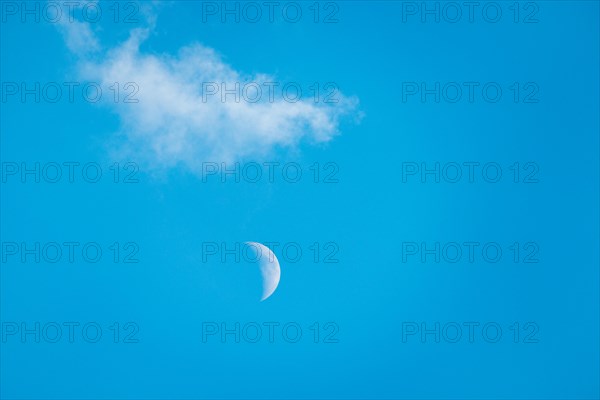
{"points": [[173, 125], [79, 37]]}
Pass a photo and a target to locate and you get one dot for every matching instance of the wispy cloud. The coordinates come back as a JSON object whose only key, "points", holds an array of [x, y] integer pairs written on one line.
{"points": [[175, 123]]}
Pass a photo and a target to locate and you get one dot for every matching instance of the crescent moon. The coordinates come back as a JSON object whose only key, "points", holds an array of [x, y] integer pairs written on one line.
{"points": [[269, 269]]}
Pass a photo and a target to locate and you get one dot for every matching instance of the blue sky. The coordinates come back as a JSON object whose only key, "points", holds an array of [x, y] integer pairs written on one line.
{"points": [[363, 211]]}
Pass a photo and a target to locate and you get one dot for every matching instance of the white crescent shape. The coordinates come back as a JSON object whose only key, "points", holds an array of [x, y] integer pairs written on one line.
{"points": [[269, 268]]}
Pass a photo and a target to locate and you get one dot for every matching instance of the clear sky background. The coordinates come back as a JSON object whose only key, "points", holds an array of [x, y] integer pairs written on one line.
{"points": [[371, 296]]}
